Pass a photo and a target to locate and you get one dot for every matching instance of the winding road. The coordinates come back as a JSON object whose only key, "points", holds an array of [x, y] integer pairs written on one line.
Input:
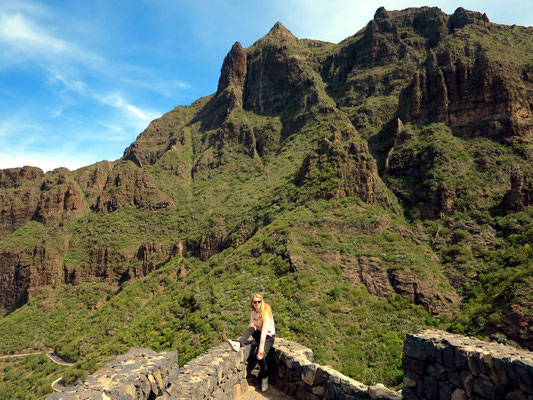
{"points": [[58, 384]]}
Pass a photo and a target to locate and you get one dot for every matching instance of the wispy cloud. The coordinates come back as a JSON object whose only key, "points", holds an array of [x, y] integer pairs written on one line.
{"points": [[21, 32]]}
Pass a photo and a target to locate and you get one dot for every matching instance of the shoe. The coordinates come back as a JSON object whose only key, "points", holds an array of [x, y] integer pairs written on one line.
{"points": [[234, 344], [264, 384]]}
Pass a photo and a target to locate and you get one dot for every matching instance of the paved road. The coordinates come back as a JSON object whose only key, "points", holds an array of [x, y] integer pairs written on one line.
{"points": [[55, 358]]}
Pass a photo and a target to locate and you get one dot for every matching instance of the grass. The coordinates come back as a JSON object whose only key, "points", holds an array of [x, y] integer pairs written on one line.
{"points": [[247, 224]]}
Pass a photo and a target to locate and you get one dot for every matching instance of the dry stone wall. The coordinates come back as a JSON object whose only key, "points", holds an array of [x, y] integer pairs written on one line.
{"points": [[138, 374], [293, 372], [441, 365], [219, 373], [437, 366]]}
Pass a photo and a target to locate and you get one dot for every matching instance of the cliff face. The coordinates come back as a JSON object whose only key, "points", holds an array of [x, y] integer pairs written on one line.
{"points": [[420, 116]]}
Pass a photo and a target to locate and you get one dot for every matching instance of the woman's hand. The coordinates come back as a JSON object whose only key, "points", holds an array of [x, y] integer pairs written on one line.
{"points": [[251, 325], [260, 354]]}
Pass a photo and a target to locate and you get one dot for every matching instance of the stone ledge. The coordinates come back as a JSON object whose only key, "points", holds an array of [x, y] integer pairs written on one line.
{"points": [[138, 374]]}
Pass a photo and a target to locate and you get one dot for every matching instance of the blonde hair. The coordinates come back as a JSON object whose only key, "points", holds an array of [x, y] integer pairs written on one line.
{"points": [[264, 311]]}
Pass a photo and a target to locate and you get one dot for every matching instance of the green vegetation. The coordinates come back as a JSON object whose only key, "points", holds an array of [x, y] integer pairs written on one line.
{"points": [[274, 187]]}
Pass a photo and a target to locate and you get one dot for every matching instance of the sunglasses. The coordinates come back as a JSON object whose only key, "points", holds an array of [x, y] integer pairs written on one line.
{"points": [[256, 301]]}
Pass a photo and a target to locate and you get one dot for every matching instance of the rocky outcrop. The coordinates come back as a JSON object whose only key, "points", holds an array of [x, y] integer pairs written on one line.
{"points": [[373, 274], [18, 196], [521, 193], [61, 198], [128, 185], [25, 273], [341, 169], [516, 322], [461, 17], [370, 272], [16, 177], [473, 96], [425, 292]]}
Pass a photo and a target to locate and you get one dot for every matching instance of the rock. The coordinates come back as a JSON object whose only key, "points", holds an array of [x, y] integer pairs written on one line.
{"points": [[369, 272], [353, 173], [459, 394], [380, 392]]}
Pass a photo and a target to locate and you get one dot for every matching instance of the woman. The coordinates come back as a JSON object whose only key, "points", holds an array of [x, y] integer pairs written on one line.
{"points": [[262, 329]]}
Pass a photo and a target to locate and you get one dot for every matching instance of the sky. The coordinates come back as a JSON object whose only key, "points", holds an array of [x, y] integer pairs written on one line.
{"points": [[79, 80]]}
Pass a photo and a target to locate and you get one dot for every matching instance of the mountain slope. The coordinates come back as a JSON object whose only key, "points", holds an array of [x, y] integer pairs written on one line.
{"points": [[361, 184]]}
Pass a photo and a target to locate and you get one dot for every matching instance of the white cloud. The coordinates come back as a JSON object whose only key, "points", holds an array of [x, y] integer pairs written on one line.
{"points": [[115, 100], [20, 32]]}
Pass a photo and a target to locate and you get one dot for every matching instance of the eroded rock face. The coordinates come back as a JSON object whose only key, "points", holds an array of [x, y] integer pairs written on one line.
{"points": [[521, 193], [423, 292], [61, 198], [370, 272], [16, 177], [24, 273], [352, 172], [473, 96], [129, 185], [17, 205]]}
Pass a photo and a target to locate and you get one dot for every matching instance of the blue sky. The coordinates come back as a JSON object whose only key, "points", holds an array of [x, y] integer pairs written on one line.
{"points": [[79, 80]]}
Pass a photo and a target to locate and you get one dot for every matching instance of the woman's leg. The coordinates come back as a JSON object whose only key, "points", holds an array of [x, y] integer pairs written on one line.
{"points": [[263, 373], [246, 335]]}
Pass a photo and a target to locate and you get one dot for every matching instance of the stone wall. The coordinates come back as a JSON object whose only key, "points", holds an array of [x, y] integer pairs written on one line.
{"points": [[441, 365], [293, 372], [138, 374], [219, 373], [437, 365]]}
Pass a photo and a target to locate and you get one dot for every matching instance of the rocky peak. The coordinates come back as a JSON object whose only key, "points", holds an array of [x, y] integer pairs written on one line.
{"points": [[381, 13], [233, 70], [15, 177], [279, 31], [462, 17]]}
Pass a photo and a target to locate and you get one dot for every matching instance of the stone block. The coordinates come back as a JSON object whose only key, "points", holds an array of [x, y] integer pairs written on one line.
{"points": [[445, 391], [448, 358], [380, 392], [302, 394], [430, 387], [410, 378], [484, 388], [420, 349], [461, 358], [526, 388], [473, 366], [437, 371], [308, 373], [523, 369], [459, 394], [454, 379], [291, 388], [500, 370], [318, 390], [320, 376], [409, 394], [516, 395], [414, 365]]}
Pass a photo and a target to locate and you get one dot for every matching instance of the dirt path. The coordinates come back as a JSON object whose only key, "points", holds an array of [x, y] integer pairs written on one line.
{"points": [[21, 355]]}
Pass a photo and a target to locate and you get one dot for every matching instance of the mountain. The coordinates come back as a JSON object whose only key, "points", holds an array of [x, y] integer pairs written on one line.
{"points": [[371, 188]]}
